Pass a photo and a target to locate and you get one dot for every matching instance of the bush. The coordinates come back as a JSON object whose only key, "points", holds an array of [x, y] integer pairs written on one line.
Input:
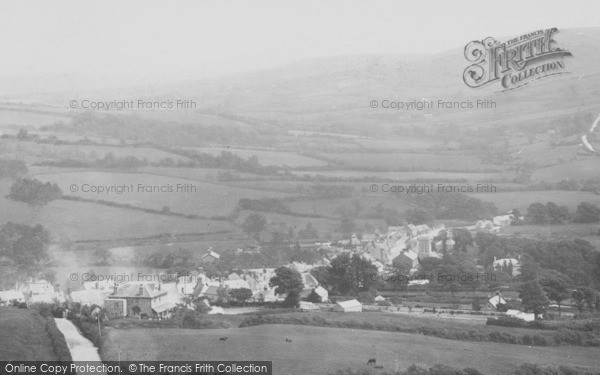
{"points": [[59, 344]]}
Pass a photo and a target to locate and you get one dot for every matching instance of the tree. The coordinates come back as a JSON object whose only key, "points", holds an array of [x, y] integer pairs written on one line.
{"points": [[584, 296], [533, 298], [309, 232], [462, 239], [103, 254], [347, 225], [476, 304], [22, 134], [443, 237], [254, 224], [34, 191], [418, 216], [587, 213], [557, 286], [557, 214], [352, 273], [288, 281], [537, 213], [23, 249], [314, 297], [240, 294]]}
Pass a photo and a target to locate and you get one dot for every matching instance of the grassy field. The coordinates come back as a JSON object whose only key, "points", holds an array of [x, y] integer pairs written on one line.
{"points": [[406, 176], [505, 201], [28, 119], [325, 350], [413, 162], [88, 221], [208, 199], [24, 336], [81, 152], [587, 168], [291, 159], [572, 229]]}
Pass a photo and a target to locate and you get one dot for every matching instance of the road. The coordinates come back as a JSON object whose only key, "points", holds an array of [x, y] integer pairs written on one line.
{"points": [[82, 349]]}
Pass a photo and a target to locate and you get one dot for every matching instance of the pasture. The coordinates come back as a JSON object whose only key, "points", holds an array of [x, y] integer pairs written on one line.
{"points": [[587, 168], [28, 119], [78, 221], [268, 157], [324, 350], [82, 152], [405, 176], [506, 201], [410, 162], [205, 200]]}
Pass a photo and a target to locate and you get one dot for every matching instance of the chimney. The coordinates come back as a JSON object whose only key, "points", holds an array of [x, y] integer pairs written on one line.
{"points": [[159, 287], [141, 290], [114, 289]]}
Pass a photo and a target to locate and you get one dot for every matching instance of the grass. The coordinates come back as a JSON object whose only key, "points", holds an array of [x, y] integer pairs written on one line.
{"points": [[24, 336], [505, 201], [404, 176], [324, 350], [411, 162], [79, 221], [28, 119], [588, 168], [92, 152], [208, 199], [585, 231], [278, 158]]}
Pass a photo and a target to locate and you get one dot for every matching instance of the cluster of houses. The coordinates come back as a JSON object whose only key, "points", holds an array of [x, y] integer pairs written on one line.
{"points": [[158, 299], [399, 246]]}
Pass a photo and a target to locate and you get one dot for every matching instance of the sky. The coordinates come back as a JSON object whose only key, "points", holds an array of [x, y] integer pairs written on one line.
{"points": [[100, 43]]}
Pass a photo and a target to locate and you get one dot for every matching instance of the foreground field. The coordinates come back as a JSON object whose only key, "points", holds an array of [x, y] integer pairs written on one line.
{"points": [[325, 350]]}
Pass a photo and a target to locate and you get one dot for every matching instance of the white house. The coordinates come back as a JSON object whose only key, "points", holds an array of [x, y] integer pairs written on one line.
{"points": [[7, 296], [88, 297], [502, 220], [348, 306], [520, 315], [323, 293]]}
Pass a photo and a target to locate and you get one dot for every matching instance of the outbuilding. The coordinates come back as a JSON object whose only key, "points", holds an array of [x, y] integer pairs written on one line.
{"points": [[348, 306]]}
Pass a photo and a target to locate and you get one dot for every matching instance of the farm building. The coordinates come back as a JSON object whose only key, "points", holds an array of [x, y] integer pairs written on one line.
{"points": [[322, 292], [520, 315], [308, 306], [210, 257], [496, 300], [348, 306]]}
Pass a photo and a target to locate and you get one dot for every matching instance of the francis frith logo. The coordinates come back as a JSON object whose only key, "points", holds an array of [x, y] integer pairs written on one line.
{"points": [[514, 63]]}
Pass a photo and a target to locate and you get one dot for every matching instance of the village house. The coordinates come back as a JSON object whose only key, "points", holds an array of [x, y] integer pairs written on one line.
{"points": [[87, 297], [502, 220], [8, 296], [40, 291], [141, 298], [406, 260], [348, 306]]}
